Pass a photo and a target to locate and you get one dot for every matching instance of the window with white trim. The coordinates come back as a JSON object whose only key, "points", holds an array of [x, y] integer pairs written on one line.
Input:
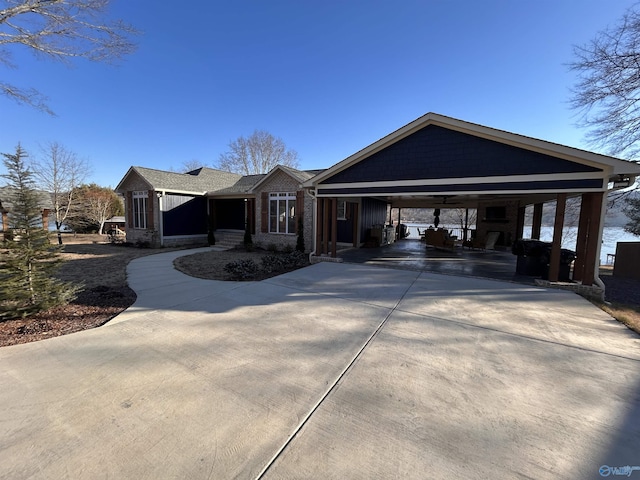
{"points": [[282, 211], [140, 209]]}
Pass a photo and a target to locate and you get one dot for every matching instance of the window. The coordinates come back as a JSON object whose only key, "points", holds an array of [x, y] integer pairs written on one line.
{"points": [[342, 209], [282, 211], [140, 209]]}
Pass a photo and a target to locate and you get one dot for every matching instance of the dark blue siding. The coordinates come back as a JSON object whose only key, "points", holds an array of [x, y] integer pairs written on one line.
{"points": [[374, 212], [436, 152], [345, 227], [188, 218]]}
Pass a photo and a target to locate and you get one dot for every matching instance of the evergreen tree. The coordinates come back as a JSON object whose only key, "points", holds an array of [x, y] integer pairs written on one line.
{"points": [[28, 260]]}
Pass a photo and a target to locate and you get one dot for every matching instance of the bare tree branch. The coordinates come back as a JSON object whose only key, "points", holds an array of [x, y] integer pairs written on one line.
{"points": [[59, 173], [61, 30], [258, 153], [607, 93]]}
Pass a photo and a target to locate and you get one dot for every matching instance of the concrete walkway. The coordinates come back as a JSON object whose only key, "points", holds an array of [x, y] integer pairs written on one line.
{"points": [[333, 371]]}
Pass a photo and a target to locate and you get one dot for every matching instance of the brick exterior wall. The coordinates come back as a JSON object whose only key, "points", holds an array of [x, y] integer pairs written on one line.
{"points": [[136, 235], [281, 182]]}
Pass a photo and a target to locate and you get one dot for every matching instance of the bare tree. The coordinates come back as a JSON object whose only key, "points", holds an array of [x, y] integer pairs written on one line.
{"points": [[60, 30], [607, 93], [258, 153], [59, 173]]}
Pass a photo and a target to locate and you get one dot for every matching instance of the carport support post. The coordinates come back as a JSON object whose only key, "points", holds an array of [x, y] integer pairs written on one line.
{"points": [[591, 258], [319, 217], [537, 221], [520, 222], [334, 227], [583, 233], [354, 217], [465, 230], [325, 225], [556, 247]]}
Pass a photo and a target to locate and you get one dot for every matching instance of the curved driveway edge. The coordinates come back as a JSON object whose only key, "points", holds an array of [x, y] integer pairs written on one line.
{"points": [[331, 371]]}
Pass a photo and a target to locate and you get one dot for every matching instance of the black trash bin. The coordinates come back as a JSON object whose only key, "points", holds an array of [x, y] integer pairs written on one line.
{"points": [[532, 256], [566, 258]]}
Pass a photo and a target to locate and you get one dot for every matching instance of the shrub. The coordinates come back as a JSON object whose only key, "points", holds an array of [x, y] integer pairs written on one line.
{"points": [[242, 269], [272, 263], [272, 247], [287, 248], [298, 259], [281, 263]]}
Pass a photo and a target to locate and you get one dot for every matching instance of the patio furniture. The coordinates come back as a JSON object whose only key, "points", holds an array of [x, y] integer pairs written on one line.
{"points": [[486, 243], [439, 238]]}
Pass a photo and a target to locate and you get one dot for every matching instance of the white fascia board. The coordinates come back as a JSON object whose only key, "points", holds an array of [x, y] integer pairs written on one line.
{"points": [[468, 180], [229, 196], [269, 174], [180, 192], [480, 193], [126, 177]]}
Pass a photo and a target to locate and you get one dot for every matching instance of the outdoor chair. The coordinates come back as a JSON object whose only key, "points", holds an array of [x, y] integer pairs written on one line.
{"points": [[439, 238], [486, 243]]}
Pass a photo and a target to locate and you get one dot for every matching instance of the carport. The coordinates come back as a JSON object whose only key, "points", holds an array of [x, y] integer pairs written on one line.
{"points": [[438, 162]]}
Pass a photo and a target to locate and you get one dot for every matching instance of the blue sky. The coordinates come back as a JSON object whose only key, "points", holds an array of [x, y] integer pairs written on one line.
{"points": [[327, 77]]}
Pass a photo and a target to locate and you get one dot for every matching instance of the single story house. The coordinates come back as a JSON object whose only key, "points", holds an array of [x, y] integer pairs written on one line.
{"points": [[168, 209], [433, 162]]}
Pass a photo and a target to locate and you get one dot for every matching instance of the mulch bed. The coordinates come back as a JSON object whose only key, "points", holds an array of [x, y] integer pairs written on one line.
{"points": [[92, 308]]}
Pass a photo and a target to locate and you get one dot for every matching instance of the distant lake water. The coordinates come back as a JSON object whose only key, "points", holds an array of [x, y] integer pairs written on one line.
{"points": [[610, 237]]}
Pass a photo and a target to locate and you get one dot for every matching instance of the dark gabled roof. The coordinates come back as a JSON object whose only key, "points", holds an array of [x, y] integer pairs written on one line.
{"points": [[195, 182], [209, 181], [44, 199], [299, 175], [244, 185]]}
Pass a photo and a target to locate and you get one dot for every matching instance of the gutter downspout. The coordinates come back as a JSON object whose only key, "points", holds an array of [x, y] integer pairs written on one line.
{"points": [[596, 277], [160, 223]]}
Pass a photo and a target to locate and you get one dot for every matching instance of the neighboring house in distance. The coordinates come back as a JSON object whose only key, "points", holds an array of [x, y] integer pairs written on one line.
{"points": [[113, 223], [169, 209], [44, 199]]}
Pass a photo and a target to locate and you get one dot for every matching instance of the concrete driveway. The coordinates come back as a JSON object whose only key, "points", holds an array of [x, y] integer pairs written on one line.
{"points": [[333, 371]]}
